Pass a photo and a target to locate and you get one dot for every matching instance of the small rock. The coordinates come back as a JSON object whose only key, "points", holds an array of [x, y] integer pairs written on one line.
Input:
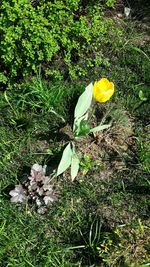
{"points": [[127, 11]]}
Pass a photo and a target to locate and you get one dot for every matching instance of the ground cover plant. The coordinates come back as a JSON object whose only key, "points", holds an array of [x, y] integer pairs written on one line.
{"points": [[102, 218], [61, 36]]}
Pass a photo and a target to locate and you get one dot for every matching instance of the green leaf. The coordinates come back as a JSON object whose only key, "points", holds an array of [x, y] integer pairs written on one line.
{"points": [[65, 160], [142, 96], [100, 128], [83, 128], [77, 122], [76, 126], [74, 166], [84, 102]]}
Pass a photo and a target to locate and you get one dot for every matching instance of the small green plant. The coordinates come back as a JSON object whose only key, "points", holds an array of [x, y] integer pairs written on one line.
{"points": [[115, 250], [87, 163], [110, 3], [101, 92], [142, 96], [54, 34]]}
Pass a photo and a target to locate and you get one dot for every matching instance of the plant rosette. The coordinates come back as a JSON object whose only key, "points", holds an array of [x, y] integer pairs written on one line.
{"points": [[37, 188], [101, 92]]}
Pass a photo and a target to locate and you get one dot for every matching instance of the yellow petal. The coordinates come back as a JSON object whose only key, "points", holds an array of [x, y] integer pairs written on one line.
{"points": [[106, 96], [103, 90], [103, 84]]}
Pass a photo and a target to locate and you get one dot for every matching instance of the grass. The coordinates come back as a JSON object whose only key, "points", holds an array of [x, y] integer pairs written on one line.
{"points": [[102, 219]]}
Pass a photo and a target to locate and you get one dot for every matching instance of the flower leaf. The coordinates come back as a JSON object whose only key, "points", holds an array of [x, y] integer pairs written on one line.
{"points": [[100, 128], [65, 160], [84, 102], [83, 129], [74, 166], [77, 122]]}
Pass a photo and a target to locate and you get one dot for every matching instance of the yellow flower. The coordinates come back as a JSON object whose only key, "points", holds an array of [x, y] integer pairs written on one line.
{"points": [[103, 90]]}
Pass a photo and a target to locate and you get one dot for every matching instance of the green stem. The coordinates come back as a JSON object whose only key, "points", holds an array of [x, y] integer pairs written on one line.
{"points": [[106, 114], [92, 111]]}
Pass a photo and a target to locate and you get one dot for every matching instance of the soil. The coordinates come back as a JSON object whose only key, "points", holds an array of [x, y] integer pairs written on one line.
{"points": [[107, 148]]}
